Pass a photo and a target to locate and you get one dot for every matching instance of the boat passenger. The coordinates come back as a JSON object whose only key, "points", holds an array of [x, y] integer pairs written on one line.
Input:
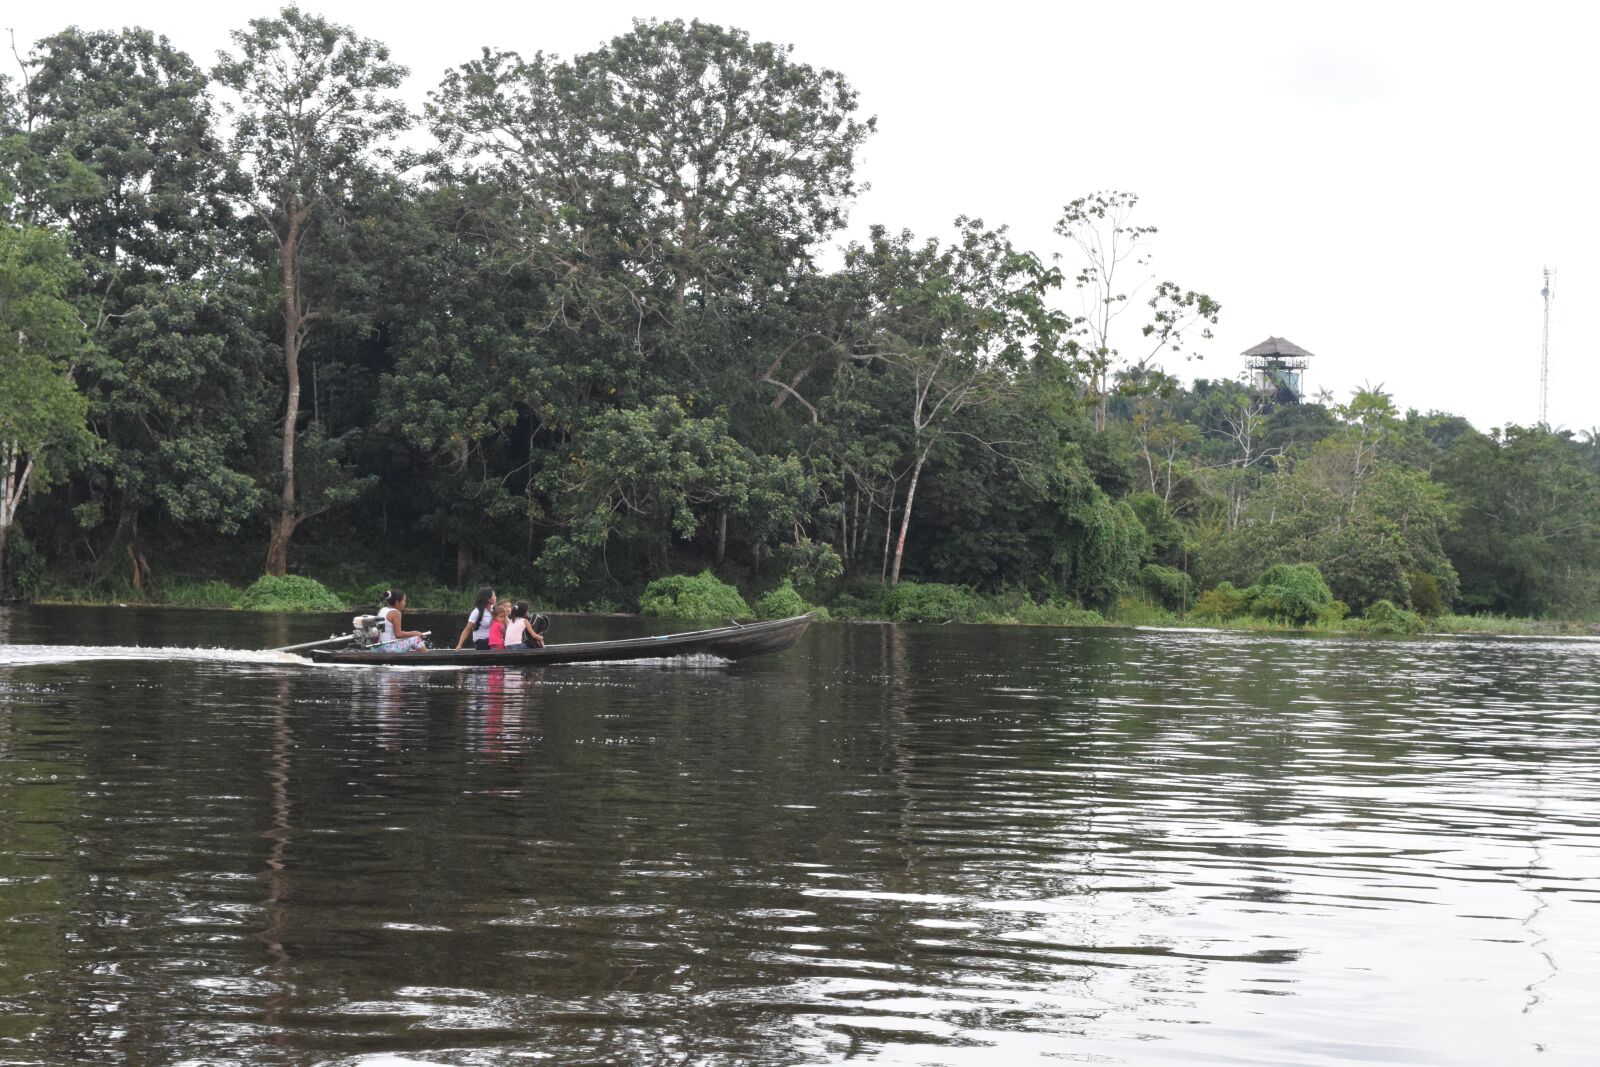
{"points": [[497, 628], [519, 631], [478, 621], [392, 637]]}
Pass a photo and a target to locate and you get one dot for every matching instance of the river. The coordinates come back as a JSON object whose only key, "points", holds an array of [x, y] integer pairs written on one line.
{"points": [[908, 845]]}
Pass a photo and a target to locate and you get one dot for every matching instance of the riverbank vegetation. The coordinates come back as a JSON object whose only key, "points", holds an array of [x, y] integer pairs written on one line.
{"points": [[583, 325]]}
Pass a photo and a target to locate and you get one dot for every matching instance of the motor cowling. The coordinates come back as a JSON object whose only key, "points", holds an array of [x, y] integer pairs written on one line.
{"points": [[367, 630]]}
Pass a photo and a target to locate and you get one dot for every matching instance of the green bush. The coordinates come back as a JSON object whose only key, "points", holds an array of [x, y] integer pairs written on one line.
{"points": [[1294, 593], [933, 602], [1426, 597], [700, 596], [1383, 617], [1223, 603], [784, 603], [851, 606], [289, 592], [1134, 611], [211, 594], [1055, 613], [421, 595], [1167, 586], [24, 567]]}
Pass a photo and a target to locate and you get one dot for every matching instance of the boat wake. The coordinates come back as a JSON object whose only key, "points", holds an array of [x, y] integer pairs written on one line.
{"points": [[693, 662], [34, 655]]}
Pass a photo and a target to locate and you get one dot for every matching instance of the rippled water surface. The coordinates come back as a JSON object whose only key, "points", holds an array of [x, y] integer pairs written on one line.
{"points": [[939, 845]]}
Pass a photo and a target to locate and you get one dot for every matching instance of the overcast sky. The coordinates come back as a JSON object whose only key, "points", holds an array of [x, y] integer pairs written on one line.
{"points": [[1382, 184]]}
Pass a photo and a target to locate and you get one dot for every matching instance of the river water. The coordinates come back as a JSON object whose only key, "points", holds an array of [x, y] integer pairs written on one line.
{"points": [[929, 845]]}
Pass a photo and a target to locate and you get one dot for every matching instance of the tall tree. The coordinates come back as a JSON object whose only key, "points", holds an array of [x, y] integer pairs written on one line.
{"points": [[314, 114], [1113, 272], [952, 325], [666, 179], [42, 431], [117, 147]]}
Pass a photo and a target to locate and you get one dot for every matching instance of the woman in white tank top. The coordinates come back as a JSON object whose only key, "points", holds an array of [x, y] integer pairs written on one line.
{"points": [[394, 638]]}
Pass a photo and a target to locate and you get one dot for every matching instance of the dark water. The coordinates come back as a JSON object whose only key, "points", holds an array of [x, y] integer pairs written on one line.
{"points": [[937, 845]]}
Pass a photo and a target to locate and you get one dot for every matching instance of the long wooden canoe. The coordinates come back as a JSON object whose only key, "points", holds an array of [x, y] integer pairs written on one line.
{"points": [[725, 642]]}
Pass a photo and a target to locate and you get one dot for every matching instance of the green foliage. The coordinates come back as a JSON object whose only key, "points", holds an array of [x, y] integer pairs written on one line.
{"points": [[1053, 613], [1105, 558], [289, 592], [783, 603], [1293, 593], [1167, 586], [649, 475], [598, 341], [120, 151], [1529, 537], [207, 594], [700, 596], [1135, 611], [1222, 603], [1426, 596], [934, 602], [22, 575], [421, 595], [1352, 508], [1383, 617]]}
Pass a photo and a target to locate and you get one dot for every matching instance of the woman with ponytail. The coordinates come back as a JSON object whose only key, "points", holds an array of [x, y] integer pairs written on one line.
{"points": [[479, 619], [393, 638]]}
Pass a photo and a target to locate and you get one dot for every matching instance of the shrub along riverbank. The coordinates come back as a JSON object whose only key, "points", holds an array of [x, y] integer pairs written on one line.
{"points": [[1288, 598]]}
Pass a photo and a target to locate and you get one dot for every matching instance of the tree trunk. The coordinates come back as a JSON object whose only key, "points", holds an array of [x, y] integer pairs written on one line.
{"points": [[844, 538], [294, 322], [905, 517], [888, 536], [278, 547], [138, 566], [11, 491], [722, 536], [855, 521], [463, 564]]}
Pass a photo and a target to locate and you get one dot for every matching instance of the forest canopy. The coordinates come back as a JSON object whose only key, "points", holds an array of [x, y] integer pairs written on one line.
{"points": [[581, 323]]}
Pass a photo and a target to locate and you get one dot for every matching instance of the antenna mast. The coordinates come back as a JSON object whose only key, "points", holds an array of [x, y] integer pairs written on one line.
{"points": [[1549, 294]]}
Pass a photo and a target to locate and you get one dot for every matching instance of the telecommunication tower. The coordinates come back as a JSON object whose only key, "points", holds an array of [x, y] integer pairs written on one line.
{"points": [[1549, 294]]}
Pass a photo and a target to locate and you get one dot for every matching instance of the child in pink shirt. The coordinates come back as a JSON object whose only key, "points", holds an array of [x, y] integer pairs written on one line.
{"points": [[497, 629]]}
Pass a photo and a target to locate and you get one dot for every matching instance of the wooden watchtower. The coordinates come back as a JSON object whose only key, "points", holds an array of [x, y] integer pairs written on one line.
{"points": [[1277, 369]]}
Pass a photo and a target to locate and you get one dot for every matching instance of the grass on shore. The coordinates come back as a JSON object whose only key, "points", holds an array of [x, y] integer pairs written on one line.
{"points": [[910, 602]]}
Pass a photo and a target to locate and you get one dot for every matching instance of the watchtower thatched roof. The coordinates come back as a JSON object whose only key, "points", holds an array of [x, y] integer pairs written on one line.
{"points": [[1277, 348]]}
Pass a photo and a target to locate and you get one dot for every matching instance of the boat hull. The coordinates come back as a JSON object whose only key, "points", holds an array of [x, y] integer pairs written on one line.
{"points": [[727, 642]]}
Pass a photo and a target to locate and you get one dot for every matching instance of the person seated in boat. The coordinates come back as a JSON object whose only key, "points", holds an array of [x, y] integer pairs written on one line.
{"points": [[519, 631], [392, 635], [479, 619], [497, 628]]}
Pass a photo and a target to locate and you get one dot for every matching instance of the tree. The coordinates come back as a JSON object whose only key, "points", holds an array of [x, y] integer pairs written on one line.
{"points": [[1367, 520], [951, 325], [669, 183], [1111, 247], [313, 116], [650, 476], [1529, 539], [42, 431], [116, 147]]}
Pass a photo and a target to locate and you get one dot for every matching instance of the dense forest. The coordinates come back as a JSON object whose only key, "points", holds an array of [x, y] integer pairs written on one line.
{"points": [[583, 323]]}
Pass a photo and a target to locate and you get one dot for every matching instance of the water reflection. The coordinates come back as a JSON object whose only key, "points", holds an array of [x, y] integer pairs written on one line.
{"points": [[906, 845]]}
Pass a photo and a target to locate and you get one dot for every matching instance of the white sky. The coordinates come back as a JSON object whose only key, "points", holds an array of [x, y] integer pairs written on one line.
{"points": [[1380, 183]]}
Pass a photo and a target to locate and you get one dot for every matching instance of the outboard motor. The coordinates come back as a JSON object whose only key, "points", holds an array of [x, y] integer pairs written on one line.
{"points": [[366, 630]]}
